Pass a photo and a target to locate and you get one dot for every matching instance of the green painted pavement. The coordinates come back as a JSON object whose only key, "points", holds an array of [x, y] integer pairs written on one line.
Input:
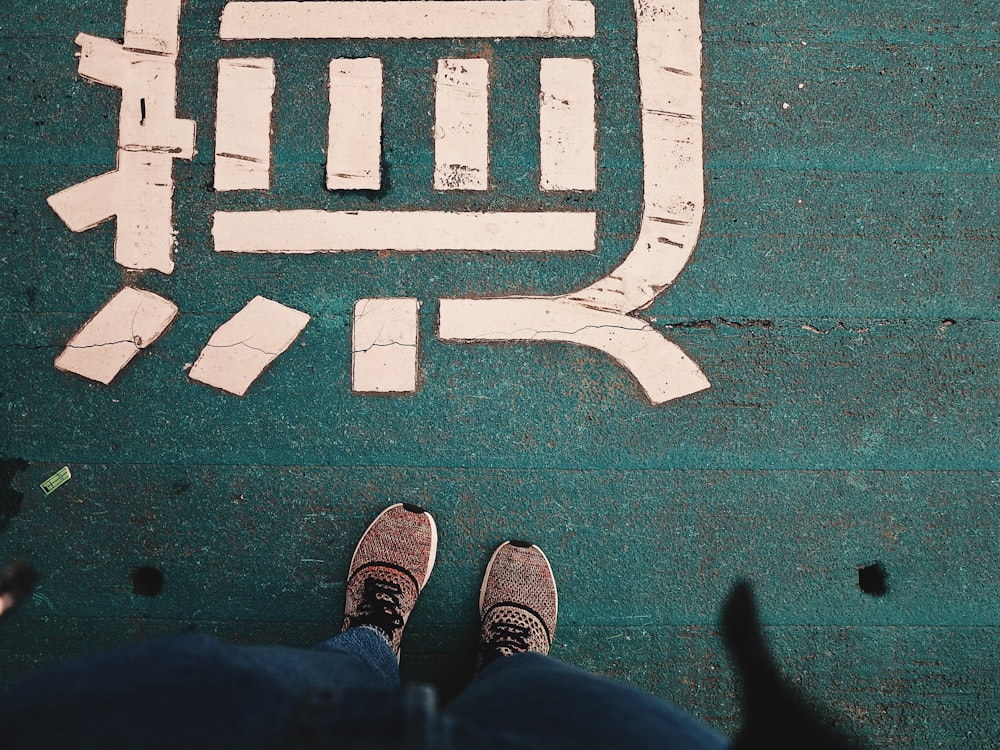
{"points": [[863, 395], [842, 300]]}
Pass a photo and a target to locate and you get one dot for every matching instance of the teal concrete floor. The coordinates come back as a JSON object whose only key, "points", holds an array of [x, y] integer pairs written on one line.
{"points": [[842, 300]]}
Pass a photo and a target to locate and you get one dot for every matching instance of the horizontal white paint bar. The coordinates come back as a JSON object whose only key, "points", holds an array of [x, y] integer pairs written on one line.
{"points": [[567, 126], [661, 368], [309, 231], [354, 146], [461, 125], [408, 19], [243, 124]]}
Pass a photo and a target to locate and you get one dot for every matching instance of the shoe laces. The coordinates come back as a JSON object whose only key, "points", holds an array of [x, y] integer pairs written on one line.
{"points": [[505, 638], [380, 605]]}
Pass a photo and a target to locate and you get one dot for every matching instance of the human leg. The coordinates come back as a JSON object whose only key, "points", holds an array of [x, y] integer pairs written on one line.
{"points": [[520, 690], [390, 566], [194, 691], [539, 697]]}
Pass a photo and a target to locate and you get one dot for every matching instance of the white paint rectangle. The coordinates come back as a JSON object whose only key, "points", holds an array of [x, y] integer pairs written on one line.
{"points": [[354, 145], [567, 125], [312, 231], [242, 347], [132, 320], [243, 124], [151, 26], [384, 346], [408, 19], [461, 125]]}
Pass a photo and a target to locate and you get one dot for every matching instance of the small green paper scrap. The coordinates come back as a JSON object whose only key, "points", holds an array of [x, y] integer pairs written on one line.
{"points": [[56, 481]]}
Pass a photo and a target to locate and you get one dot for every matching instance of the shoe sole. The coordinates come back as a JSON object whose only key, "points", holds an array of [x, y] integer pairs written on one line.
{"points": [[489, 567], [434, 541]]}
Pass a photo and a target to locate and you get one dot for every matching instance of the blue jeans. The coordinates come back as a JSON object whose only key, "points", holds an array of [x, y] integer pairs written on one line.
{"points": [[193, 691]]}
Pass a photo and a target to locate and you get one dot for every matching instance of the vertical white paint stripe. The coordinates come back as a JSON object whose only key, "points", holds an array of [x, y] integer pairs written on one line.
{"points": [[354, 149], [461, 125], [384, 346], [151, 26], [243, 124], [567, 125]]}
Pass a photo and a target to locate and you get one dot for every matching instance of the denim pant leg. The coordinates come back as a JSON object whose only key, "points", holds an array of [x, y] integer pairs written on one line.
{"points": [[551, 704], [193, 691], [372, 649]]}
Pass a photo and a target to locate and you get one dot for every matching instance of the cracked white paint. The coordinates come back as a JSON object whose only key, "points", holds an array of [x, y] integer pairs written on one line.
{"points": [[408, 19], [140, 191], [354, 145], [243, 124], [461, 124], [242, 347], [567, 125], [132, 320], [662, 369], [384, 343], [311, 231], [602, 315], [669, 54]]}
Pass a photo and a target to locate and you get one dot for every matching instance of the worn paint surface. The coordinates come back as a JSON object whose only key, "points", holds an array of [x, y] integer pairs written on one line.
{"points": [[842, 300], [130, 321], [243, 124]]}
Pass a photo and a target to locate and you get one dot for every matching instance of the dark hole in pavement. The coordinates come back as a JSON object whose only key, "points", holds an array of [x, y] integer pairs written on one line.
{"points": [[872, 579], [146, 581]]}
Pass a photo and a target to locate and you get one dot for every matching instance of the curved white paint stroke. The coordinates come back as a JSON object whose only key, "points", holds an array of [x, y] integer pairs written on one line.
{"points": [[150, 136], [662, 369], [669, 53]]}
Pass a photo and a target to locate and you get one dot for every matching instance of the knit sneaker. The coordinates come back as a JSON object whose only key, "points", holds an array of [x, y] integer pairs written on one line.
{"points": [[518, 603], [391, 564]]}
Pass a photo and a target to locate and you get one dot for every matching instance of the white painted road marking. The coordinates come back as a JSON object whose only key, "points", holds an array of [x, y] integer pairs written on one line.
{"points": [[130, 321], [309, 231], [140, 191], [669, 52], [461, 125], [151, 26], [567, 128], [661, 368], [408, 19], [384, 344], [246, 344], [354, 146], [243, 124], [601, 315]]}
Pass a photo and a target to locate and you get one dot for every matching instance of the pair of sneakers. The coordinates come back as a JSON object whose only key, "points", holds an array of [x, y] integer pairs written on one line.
{"points": [[518, 602]]}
